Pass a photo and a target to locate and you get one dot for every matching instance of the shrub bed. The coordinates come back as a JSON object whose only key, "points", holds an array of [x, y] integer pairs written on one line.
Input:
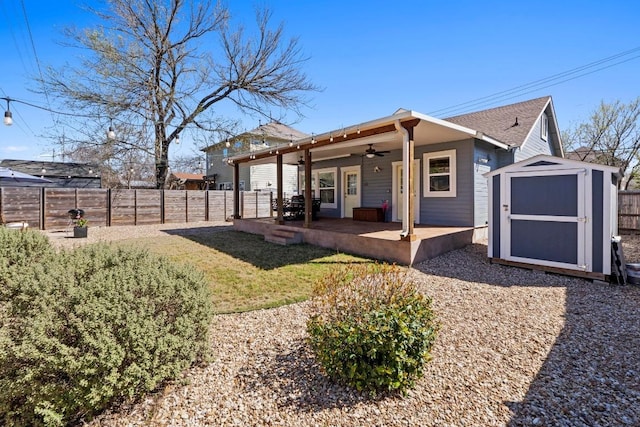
{"points": [[83, 329], [370, 328]]}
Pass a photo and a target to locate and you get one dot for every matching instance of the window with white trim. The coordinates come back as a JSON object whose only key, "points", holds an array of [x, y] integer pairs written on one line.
{"points": [[323, 186], [544, 126], [440, 174]]}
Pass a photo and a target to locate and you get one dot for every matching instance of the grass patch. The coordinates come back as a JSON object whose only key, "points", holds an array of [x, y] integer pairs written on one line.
{"points": [[244, 271]]}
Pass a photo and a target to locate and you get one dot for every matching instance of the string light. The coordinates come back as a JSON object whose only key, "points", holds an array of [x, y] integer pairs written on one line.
{"points": [[313, 138], [111, 134], [8, 118]]}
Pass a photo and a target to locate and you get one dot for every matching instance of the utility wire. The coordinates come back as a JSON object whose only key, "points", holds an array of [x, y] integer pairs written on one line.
{"points": [[535, 85], [37, 59]]}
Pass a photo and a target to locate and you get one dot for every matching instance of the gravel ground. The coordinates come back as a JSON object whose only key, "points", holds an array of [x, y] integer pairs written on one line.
{"points": [[516, 348]]}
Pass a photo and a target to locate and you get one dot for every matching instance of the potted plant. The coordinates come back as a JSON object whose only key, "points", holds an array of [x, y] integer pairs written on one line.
{"points": [[80, 228]]}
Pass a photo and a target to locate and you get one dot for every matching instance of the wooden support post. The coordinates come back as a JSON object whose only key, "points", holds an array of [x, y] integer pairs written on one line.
{"points": [[279, 180], [308, 195], [236, 191], [408, 169]]}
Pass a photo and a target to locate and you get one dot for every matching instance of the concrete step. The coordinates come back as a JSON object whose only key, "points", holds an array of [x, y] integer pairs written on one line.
{"points": [[283, 236]]}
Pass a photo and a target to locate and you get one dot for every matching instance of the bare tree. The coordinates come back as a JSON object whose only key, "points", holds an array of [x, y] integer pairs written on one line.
{"points": [[155, 69], [611, 137]]}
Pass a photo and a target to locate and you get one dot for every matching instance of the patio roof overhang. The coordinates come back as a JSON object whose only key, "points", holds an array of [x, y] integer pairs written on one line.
{"points": [[352, 140]]}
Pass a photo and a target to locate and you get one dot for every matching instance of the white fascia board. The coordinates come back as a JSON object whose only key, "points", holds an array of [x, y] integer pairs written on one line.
{"points": [[468, 131]]}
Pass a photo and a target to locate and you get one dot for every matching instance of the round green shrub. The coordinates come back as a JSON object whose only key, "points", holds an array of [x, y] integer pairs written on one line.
{"points": [[19, 248], [370, 328], [94, 326]]}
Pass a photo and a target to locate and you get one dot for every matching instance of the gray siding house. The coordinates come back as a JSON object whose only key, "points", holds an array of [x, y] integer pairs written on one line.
{"points": [[259, 177], [439, 162]]}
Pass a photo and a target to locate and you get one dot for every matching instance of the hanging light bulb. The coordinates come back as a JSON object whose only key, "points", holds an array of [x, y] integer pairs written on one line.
{"points": [[313, 138], [228, 144], [358, 131], [331, 137], [345, 134], [111, 134], [177, 138], [8, 118]]}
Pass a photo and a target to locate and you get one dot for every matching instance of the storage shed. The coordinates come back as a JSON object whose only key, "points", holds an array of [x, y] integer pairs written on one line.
{"points": [[554, 214]]}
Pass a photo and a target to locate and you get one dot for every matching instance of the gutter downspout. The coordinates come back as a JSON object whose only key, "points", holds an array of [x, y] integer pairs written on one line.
{"points": [[406, 168]]}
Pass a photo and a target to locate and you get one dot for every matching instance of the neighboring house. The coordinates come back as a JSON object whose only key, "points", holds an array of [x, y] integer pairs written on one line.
{"points": [[61, 174], [258, 177], [593, 155], [186, 181], [370, 164]]}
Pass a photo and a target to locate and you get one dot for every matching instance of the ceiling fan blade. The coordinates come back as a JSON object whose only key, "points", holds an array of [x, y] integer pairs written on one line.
{"points": [[379, 153]]}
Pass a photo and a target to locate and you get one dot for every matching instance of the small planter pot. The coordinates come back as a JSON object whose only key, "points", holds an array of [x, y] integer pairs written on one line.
{"points": [[79, 232]]}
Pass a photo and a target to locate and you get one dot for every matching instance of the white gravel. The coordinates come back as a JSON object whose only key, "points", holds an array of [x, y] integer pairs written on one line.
{"points": [[516, 348]]}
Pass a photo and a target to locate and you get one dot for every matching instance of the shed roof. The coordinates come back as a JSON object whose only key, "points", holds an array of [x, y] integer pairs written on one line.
{"points": [[543, 161]]}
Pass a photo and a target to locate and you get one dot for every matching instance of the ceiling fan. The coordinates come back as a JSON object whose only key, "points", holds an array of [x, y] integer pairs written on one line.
{"points": [[301, 161], [372, 152]]}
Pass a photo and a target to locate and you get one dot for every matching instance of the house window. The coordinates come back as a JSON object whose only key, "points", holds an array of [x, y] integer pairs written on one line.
{"points": [[544, 126], [440, 174], [325, 190]]}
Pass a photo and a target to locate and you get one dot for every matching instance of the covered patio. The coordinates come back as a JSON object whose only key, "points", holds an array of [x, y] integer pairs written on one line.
{"points": [[379, 240]]}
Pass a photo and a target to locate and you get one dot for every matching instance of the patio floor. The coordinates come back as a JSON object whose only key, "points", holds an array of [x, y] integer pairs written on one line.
{"points": [[379, 240]]}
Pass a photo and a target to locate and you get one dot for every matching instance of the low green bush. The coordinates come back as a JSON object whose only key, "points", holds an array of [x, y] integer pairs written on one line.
{"points": [[370, 328], [94, 326], [19, 248]]}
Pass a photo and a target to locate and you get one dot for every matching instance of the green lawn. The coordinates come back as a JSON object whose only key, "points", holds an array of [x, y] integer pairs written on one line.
{"points": [[245, 272]]}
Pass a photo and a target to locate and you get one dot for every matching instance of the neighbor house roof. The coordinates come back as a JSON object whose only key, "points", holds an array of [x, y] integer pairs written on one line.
{"points": [[277, 130], [510, 124], [52, 169], [272, 130], [187, 176]]}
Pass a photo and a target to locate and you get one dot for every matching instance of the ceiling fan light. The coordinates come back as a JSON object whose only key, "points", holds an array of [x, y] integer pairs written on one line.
{"points": [[370, 155]]}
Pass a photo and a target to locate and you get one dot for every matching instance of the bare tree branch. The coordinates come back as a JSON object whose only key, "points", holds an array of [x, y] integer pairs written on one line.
{"points": [[145, 68], [611, 137]]}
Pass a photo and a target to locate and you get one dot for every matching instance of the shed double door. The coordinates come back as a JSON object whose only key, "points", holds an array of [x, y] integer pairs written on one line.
{"points": [[544, 214]]}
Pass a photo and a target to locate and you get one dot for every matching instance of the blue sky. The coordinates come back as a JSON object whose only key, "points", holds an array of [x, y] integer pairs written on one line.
{"points": [[373, 57]]}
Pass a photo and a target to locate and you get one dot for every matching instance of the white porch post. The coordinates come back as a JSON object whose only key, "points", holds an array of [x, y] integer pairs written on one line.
{"points": [[408, 214]]}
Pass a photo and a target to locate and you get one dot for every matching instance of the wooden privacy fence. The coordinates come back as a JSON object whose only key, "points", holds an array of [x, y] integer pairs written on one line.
{"points": [[629, 211], [47, 208]]}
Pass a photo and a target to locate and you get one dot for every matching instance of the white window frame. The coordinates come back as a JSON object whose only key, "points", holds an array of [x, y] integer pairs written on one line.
{"points": [[316, 191], [427, 192], [544, 127]]}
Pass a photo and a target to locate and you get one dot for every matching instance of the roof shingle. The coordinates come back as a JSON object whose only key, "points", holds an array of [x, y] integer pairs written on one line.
{"points": [[500, 122]]}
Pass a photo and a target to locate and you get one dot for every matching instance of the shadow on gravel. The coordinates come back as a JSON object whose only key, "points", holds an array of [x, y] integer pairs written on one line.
{"points": [[295, 381], [591, 376]]}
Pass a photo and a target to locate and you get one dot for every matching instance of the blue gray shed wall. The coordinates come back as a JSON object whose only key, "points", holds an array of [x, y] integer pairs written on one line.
{"points": [[495, 221], [597, 196]]}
